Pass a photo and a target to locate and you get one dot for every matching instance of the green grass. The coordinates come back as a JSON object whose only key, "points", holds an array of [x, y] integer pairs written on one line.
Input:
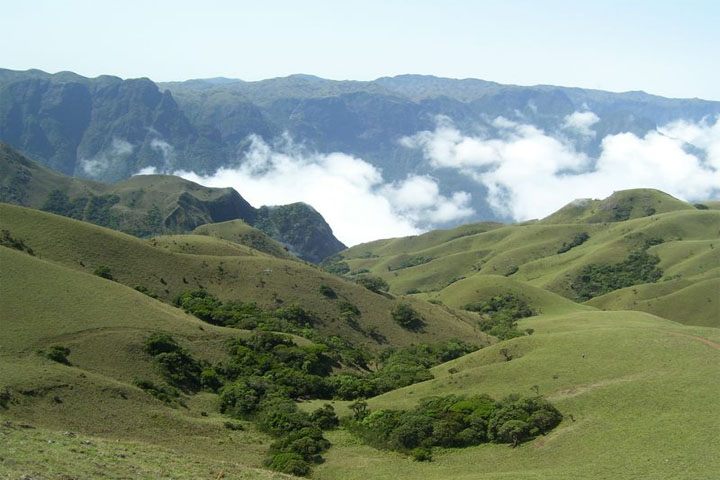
{"points": [[44, 453], [639, 395], [528, 253], [638, 392], [239, 232], [269, 281], [479, 287], [104, 325], [202, 245]]}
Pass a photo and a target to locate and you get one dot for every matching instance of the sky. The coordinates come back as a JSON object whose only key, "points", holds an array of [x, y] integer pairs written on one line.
{"points": [[668, 48]]}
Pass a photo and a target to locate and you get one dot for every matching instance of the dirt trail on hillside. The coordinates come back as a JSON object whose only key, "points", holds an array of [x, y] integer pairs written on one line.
{"points": [[704, 340]]}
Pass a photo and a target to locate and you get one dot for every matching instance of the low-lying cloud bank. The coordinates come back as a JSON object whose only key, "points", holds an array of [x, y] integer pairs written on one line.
{"points": [[349, 192], [527, 172], [530, 174]]}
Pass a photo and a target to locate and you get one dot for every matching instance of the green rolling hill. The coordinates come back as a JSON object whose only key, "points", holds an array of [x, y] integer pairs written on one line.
{"points": [[145, 205], [632, 369], [552, 254]]}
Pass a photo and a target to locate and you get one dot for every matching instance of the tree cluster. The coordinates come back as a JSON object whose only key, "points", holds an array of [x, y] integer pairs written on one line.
{"points": [[501, 313], [456, 421], [598, 279]]}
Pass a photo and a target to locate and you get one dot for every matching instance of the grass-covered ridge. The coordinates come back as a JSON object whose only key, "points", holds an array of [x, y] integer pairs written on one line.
{"points": [[268, 281], [212, 357], [147, 205], [634, 240]]}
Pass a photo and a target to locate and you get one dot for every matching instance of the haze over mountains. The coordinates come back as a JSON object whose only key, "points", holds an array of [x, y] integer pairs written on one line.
{"points": [[383, 158]]}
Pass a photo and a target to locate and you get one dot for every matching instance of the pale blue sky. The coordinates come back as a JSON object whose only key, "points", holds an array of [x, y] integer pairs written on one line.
{"points": [[665, 47]]}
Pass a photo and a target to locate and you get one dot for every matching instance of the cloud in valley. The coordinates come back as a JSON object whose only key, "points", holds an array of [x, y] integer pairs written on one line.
{"points": [[349, 192], [109, 158], [530, 174], [581, 123]]}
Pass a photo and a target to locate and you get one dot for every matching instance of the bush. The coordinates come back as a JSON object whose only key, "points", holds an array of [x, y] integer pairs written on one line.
{"points": [[163, 393], [325, 417], [598, 279], [159, 342], [234, 426], [57, 354], [577, 240], [408, 262], [7, 240], [177, 365], [373, 283], [5, 397], [290, 463], [501, 314], [241, 398], [405, 316], [456, 421], [103, 271], [210, 380], [421, 454], [328, 292], [142, 289]]}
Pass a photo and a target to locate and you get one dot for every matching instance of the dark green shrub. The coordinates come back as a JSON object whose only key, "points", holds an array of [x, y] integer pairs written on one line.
{"points": [[159, 342], [241, 398], [103, 271], [235, 426], [210, 380], [421, 454], [145, 291], [328, 292], [406, 316], [598, 279], [163, 393], [701, 206], [295, 315], [359, 409], [5, 397], [290, 463], [279, 416], [7, 240], [325, 417], [177, 365], [57, 354], [180, 370], [335, 265], [407, 262], [577, 240], [456, 421], [501, 313], [373, 283]]}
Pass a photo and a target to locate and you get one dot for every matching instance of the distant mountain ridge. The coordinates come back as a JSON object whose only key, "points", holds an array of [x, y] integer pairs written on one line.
{"points": [[147, 205], [108, 128]]}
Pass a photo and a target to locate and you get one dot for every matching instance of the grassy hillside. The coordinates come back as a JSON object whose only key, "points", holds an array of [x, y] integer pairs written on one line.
{"points": [[623, 380], [270, 282], [620, 206], [479, 287], [554, 253], [104, 325], [240, 232], [145, 205]]}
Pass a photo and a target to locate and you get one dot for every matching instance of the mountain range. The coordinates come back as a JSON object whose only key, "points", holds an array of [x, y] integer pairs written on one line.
{"points": [[108, 129]]}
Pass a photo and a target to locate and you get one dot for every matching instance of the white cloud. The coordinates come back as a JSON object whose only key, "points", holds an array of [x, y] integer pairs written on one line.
{"points": [[147, 171], [530, 174], [166, 150], [581, 123], [116, 153], [350, 193]]}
